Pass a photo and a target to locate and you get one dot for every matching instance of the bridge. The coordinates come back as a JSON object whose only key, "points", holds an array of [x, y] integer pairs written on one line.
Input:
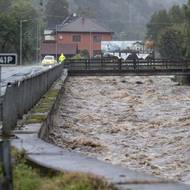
{"points": [[113, 66]]}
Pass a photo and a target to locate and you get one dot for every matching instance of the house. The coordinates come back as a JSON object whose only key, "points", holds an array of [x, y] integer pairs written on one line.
{"points": [[138, 46], [86, 33], [74, 35], [118, 46], [52, 48]]}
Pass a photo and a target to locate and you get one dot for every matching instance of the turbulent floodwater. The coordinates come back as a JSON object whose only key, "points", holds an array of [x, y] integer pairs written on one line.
{"points": [[142, 123]]}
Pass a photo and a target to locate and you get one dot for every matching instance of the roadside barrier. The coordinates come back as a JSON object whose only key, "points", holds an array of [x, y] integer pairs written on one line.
{"points": [[22, 95]]}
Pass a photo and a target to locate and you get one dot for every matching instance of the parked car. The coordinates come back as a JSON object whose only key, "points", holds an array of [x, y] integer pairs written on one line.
{"points": [[49, 60]]}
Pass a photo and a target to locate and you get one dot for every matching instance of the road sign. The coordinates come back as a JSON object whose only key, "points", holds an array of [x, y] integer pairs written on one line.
{"points": [[8, 59]]}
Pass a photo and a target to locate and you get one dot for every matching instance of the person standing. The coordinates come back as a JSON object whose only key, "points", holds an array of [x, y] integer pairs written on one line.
{"points": [[61, 58]]}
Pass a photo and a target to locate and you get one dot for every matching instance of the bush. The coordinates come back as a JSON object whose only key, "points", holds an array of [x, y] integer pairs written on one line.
{"points": [[77, 56]]}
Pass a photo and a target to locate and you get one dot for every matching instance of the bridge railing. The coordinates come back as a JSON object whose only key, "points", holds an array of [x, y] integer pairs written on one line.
{"points": [[114, 64], [22, 95]]}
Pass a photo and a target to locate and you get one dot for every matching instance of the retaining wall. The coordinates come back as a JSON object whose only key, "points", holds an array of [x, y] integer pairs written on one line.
{"points": [[22, 95], [48, 123]]}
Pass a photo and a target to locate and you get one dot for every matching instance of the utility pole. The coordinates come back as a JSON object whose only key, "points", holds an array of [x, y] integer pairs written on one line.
{"points": [[56, 38], [21, 21], [37, 41], [20, 42], [39, 28]]}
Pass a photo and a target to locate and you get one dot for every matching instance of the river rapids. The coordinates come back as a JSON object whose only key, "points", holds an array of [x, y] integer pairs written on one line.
{"points": [[141, 123]]}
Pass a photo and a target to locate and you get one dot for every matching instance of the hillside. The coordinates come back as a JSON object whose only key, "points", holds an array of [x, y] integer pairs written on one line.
{"points": [[127, 18]]}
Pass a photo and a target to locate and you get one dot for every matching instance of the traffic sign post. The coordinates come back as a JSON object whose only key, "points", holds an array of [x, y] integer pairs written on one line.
{"points": [[6, 178], [7, 59]]}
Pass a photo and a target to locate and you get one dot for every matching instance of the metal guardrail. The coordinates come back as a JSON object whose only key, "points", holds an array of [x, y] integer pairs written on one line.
{"points": [[22, 95], [130, 66]]}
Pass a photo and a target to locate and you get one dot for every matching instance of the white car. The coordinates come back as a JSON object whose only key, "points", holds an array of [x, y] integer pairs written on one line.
{"points": [[49, 60]]}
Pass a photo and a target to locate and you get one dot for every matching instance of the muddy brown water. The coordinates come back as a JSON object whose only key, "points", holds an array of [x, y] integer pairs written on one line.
{"points": [[141, 123]]}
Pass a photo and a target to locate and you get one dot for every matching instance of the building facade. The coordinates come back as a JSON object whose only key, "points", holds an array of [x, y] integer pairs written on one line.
{"points": [[84, 40], [86, 33], [79, 33]]}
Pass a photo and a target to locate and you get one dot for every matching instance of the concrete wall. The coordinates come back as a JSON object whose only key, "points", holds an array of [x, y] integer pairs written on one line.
{"points": [[48, 123], [21, 96]]}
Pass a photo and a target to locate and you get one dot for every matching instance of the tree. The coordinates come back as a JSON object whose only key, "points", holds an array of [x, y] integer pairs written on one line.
{"points": [[10, 28], [186, 9], [171, 31], [5, 5], [176, 14], [171, 44], [56, 11], [85, 12], [85, 53], [158, 22]]}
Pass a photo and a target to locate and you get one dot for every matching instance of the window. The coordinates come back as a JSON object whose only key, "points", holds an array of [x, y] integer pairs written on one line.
{"points": [[76, 38], [97, 38]]}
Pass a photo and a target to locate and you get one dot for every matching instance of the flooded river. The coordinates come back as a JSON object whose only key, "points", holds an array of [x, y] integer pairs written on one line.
{"points": [[141, 123]]}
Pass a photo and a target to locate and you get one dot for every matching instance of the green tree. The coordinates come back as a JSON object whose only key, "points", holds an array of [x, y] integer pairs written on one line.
{"points": [[171, 44], [5, 5], [176, 14], [56, 11], [158, 22], [85, 54], [19, 10], [86, 12], [171, 31], [186, 9]]}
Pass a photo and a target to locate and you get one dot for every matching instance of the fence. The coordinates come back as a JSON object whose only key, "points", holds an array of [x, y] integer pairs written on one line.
{"points": [[22, 95], [134, 65]]}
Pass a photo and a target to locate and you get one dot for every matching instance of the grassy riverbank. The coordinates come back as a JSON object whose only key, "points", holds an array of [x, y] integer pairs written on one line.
{"points": [[26, 177]]}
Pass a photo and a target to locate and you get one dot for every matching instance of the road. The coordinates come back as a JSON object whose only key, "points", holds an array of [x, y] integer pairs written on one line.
{"points": [[11, 74]]}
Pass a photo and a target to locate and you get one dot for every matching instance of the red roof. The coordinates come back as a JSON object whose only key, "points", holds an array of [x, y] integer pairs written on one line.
{"points": [[50, 48], [81, 24]]}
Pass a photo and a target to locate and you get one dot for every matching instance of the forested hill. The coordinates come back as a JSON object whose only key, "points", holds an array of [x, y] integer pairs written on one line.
{"points": [[127, 18]]}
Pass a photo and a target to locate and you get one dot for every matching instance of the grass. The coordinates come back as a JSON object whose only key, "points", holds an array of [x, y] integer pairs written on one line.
{"points": [[43, 106], [46, 102], [52, 93], [35, 119], [26, 177]]}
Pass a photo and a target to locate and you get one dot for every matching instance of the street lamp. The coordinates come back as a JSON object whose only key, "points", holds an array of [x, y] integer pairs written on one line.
{"points": [[56, 38], [21, 21]]}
